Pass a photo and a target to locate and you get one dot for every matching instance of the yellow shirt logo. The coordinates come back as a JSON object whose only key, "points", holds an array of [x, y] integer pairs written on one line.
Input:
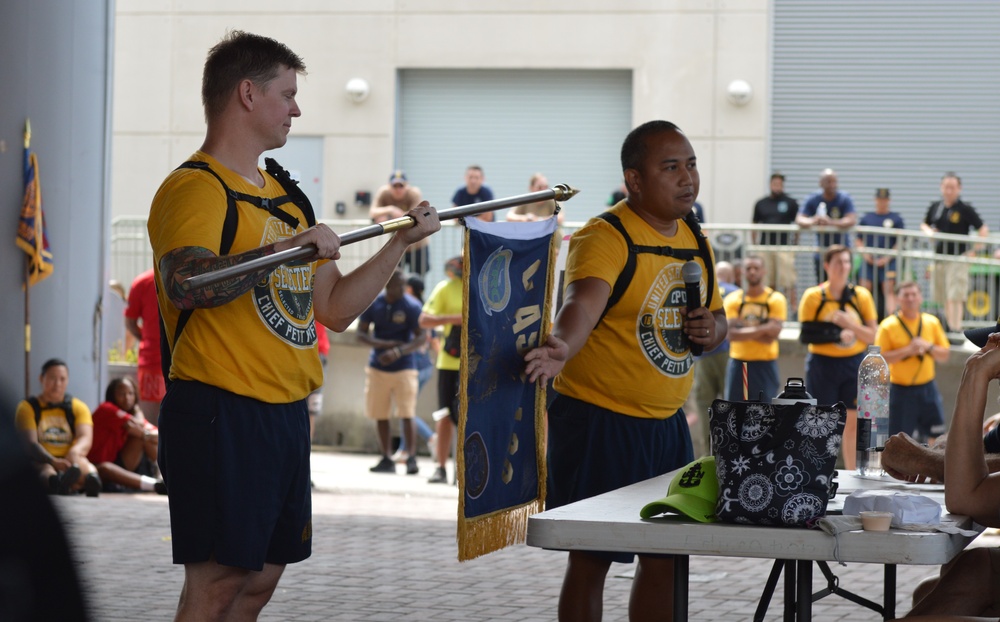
{"points": [[660, 323], [284, 300]]}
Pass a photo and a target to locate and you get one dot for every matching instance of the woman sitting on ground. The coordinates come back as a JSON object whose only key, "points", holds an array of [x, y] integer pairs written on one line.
{"points": [[124, 448]]}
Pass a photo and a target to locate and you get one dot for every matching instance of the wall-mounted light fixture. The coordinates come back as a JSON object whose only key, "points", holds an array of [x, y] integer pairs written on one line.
{"points": [[739, 92], [357, 90]]}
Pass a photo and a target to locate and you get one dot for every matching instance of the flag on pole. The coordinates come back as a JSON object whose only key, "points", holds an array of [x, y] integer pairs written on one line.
{"points": [[31, 235], [501, 454]]}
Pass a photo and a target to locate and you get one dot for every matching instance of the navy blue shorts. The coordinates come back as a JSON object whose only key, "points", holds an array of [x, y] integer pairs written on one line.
{"points": [[237, 472], [593, 450], [832, 379], [916, 410]]}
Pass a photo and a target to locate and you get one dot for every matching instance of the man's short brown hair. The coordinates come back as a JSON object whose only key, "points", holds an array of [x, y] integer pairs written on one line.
{"points": [[833, 251], [242, 56]]}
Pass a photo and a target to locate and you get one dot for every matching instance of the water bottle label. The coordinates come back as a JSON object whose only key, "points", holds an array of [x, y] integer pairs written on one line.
{"points": [[864, 434]]}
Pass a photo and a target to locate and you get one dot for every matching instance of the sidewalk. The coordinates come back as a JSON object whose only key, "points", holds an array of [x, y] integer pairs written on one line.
{"points": [[384, 549]]}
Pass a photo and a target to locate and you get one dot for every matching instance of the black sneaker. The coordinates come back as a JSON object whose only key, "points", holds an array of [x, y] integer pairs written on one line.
{"points": [[411, 466], [160, 488], [68, 479], [440, 476], [92, 484], [385, 465]]}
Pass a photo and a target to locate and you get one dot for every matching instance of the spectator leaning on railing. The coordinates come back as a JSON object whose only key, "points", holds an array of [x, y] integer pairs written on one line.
{"points": [[952, 215], [778, 208], [828, 208], [878, 272]]}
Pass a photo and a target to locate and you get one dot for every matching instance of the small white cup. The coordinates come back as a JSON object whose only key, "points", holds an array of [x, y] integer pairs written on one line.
{"points": [[876, 521]]}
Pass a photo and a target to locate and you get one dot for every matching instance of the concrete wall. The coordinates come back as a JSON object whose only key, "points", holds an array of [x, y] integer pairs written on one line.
{"points": [[683, 54], [55, 71]]}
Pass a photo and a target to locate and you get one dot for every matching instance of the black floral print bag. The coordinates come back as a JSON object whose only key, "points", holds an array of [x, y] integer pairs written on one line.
{"points": [[775, 462]]}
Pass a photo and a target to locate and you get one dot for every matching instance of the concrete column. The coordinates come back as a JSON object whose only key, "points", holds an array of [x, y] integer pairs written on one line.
{"points": [[57, 72]]}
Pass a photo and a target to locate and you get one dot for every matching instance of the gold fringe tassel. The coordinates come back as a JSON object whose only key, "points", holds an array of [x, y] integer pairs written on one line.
{"points": [[486, 534]]}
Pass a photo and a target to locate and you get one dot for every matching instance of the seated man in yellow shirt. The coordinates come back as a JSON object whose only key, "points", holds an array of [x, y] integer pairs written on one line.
{"points": [[59, 430]]}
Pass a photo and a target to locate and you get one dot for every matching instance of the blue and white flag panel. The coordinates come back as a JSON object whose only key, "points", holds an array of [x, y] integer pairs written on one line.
{"points": [[507, 307]]}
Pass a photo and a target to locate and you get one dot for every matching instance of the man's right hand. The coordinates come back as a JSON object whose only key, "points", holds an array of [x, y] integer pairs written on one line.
{"points": [[326, 241], [908, 460], [547, 360]]}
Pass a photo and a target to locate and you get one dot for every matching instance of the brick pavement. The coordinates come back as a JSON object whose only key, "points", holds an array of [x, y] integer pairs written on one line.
{"points": [[384, 549]]}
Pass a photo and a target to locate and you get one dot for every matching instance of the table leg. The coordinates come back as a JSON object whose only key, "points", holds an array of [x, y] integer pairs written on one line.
{"points": [[765, 597], [681, 575], [790, 599], [889, 593], [803, 597]]}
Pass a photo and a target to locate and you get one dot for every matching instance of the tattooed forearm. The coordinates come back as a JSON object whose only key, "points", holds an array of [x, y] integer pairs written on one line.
{"points": [[181, 263]]}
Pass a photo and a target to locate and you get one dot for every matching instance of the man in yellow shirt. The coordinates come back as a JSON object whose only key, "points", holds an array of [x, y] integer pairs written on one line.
{"points": [[755, 317], [623, 372], [234, 424], [59, 430], [913, 343]]}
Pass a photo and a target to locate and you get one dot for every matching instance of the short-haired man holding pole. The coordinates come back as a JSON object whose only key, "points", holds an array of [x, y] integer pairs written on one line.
{"points": [[234, 426]]}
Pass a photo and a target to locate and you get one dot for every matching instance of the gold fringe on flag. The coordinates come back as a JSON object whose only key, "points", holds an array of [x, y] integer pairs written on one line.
{"points": [[492, 532]]}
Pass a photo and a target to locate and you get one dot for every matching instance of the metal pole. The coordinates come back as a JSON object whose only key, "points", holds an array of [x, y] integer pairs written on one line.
{"points": [[559, 192]]}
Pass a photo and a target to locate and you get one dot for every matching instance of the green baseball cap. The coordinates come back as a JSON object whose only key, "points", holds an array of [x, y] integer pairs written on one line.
{"points": [[693, 492]]}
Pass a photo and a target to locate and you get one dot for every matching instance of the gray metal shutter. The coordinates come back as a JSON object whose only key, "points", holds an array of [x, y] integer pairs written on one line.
{"points": [[567, 124], [889, 94]]}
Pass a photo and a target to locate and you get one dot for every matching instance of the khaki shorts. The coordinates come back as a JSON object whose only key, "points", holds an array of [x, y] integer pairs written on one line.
{"points": [[779, 269], [951, 281], [382, 388]]}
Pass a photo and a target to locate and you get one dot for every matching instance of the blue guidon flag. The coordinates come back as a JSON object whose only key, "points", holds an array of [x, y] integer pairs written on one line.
{"points": [[501, 454]]}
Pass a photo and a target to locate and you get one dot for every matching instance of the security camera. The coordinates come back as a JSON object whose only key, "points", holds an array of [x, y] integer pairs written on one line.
{"points": [[357, 89], [740, 92]]}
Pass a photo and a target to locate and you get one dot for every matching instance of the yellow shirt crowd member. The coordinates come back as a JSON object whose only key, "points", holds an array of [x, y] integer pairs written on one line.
{"points": [[753, 311], [817, 304], [896, 332], [249, 345], [651, 377], [54, 431]]}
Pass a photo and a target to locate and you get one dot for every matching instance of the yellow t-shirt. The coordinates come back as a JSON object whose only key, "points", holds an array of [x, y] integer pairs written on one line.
{"points": [[638, 360], [913, 370], [770, 305], [54, 433], [813, 299], [446, 299], [263, 344]]}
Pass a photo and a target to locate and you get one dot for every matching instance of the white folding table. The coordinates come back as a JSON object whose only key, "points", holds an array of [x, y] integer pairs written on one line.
{"points": [[611, 522]]}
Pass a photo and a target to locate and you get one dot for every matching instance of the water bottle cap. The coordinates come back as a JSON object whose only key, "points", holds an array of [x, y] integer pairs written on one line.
{"points": [[874, 349], [795, 391]]}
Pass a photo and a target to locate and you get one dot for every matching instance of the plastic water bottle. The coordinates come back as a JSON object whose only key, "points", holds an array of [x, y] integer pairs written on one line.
{"points": [[873, 412]]}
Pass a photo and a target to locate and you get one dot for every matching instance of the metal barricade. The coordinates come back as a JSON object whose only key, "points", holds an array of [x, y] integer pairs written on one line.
{"points": [[914, 257]]}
